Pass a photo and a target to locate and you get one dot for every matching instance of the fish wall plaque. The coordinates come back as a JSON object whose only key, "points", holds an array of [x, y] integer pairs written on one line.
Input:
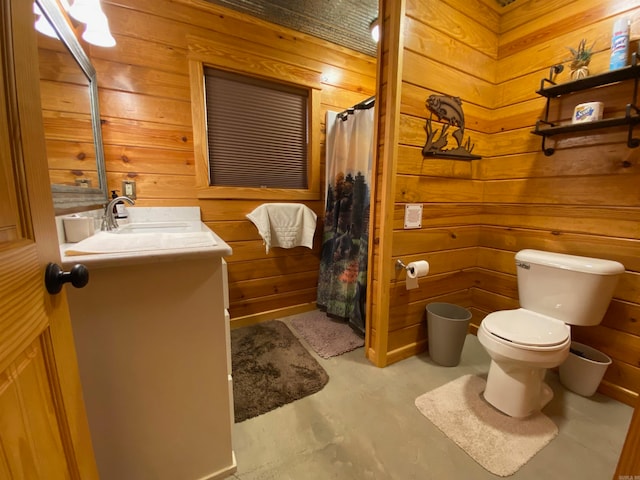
{"points": [[448, 111]]}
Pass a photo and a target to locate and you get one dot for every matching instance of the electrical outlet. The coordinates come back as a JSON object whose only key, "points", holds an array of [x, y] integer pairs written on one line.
{"points": [[83, 182], [129, 189]]}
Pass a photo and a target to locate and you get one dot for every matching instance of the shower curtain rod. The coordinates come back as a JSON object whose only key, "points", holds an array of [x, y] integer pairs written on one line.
{"points": [[363, 105]]}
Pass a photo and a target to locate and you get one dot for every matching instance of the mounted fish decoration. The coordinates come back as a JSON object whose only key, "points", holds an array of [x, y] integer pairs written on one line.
{"points": [[448, 110]]}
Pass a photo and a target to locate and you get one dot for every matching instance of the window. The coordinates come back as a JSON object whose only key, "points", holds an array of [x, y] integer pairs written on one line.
{"points": [[257, 131], [232, 88]]}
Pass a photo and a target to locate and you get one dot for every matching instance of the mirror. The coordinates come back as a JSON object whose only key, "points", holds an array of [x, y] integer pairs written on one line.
{"points": [[71, 115]]}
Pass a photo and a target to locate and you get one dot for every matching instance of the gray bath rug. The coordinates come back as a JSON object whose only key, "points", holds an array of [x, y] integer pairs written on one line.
{"points": [[270, 368], [326, 336], [499, 443]]}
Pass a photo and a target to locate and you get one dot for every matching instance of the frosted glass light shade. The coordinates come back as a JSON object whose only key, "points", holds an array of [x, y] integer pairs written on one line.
{"points": [[375, 30], [43, 26], [84, 10], [97, 31]]}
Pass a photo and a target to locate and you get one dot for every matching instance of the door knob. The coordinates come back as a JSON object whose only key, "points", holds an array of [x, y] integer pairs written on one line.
{"points": [[55, 277]]}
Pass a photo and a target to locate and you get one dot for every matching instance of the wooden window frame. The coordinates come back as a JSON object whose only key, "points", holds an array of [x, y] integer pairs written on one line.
{"points": [[211, 53]]}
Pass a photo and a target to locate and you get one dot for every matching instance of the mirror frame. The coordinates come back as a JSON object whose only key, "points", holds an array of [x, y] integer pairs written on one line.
{"points": [[67, 198]]}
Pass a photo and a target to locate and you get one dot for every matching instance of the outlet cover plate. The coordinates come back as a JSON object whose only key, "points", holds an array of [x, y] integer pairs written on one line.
{"points": [[129, 189]]}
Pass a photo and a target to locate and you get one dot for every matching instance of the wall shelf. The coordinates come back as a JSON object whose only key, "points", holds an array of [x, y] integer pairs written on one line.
{"points": [[625, 73], [546, 128]]}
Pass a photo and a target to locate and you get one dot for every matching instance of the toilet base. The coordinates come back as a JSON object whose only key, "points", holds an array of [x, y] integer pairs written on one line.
{"points": [[516, 389]]}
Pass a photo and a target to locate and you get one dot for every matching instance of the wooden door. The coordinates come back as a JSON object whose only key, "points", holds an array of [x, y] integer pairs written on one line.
{"points": [[43, 428]]}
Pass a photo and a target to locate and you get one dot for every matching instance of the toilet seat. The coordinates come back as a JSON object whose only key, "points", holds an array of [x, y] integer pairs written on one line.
{"points": [[527, 329]]}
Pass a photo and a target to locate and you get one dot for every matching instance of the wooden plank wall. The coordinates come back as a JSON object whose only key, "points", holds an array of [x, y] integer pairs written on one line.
{"points": [[383, 173], [448, 48], [147, 129], [582, 200], [66, 114]]}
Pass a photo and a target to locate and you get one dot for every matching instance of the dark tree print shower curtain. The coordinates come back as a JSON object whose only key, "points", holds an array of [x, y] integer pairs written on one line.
{"points": [[343, 266]]}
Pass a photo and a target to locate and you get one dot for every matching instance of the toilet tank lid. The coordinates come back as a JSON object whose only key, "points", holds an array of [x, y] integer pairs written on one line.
{"points": [[596, 266]]}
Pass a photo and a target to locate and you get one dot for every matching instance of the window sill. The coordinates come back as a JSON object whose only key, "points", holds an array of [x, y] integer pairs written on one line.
{"points": [[249, 193]]}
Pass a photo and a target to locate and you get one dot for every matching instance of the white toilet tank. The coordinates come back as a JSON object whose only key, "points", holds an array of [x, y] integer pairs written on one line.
{"points": [[575, 290]]}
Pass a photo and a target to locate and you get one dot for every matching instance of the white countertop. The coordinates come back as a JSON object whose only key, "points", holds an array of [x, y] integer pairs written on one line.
{"points": [[159, 242]]}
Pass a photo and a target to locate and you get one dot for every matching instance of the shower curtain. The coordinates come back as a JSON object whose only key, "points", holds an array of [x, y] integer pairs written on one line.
{"points": [[342, 280]]}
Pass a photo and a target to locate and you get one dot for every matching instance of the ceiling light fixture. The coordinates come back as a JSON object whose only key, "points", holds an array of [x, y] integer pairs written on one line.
{"points": [[90, 13], [44, 27], [84, 10], [375, 30], [98, 33]]}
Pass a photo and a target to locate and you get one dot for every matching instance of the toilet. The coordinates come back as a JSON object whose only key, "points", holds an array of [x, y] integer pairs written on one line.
{"points": [[556, 290]]}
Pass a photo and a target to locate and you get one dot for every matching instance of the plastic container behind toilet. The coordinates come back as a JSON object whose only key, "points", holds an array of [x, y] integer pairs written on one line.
{"points": [[583, 369], [447, 327]]}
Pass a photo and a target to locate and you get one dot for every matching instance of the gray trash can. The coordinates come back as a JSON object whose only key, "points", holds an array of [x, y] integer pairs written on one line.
{"points": [[583, 369], [447, 327]]}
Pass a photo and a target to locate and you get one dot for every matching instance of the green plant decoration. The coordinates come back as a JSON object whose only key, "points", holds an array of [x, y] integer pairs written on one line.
{"points": [[581, 56], [580, 60]]}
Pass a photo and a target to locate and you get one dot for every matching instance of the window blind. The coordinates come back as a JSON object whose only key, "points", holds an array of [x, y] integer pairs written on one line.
{"points": [[257, 132]]}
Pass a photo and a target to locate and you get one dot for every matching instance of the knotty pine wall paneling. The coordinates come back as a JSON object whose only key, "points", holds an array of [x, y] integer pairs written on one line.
{"points": [[65, 112], [383, 172], [145, 102], [446, 48], [584, 199]]}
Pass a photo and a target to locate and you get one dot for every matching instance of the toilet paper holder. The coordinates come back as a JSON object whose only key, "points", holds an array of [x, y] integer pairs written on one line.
{"points": [[400, 265]]}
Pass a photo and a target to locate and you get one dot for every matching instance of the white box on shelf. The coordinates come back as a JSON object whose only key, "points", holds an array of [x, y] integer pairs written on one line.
{"points": [[587, 112]]}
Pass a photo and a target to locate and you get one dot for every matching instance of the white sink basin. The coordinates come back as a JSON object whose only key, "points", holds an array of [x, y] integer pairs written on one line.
{"points": [[159, 227], [142, 237], [153, 234]]}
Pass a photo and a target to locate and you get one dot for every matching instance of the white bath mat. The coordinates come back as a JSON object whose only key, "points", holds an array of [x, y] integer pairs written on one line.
{"points": [[499, 443]]}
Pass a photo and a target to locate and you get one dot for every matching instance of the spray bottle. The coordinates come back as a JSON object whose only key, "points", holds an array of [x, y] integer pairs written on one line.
{"points": [[620, 43]]}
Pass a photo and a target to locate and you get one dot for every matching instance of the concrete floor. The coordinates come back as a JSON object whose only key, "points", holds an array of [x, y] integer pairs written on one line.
{"points": [[364, 425]]}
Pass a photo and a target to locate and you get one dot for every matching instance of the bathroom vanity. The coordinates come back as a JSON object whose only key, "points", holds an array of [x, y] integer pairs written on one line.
{"points": [[153, 349]]}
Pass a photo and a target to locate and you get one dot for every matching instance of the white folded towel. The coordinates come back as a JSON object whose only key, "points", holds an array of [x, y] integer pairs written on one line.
{"points": [[284, 225]]}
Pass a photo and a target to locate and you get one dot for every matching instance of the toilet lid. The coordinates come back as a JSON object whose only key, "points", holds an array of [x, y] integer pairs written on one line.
{"points": [[526, 328]]}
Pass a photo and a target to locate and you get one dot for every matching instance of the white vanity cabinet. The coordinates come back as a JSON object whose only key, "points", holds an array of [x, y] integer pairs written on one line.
{"points": [[152, 343]]}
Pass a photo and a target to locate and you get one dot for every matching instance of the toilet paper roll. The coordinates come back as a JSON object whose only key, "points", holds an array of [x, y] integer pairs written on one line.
{"points": [[416, 270], [78, 228]]}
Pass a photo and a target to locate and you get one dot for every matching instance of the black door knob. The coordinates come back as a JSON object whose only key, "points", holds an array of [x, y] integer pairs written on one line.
{"points": [[55, 277]]}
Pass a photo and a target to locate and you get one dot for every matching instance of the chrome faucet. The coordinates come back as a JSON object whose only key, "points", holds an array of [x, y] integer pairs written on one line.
{"points": [[109, 222]]}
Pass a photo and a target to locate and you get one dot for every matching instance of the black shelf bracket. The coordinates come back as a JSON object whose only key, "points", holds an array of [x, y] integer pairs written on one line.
{"points": [[548, 151], [631, 141], [545, 128]]}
